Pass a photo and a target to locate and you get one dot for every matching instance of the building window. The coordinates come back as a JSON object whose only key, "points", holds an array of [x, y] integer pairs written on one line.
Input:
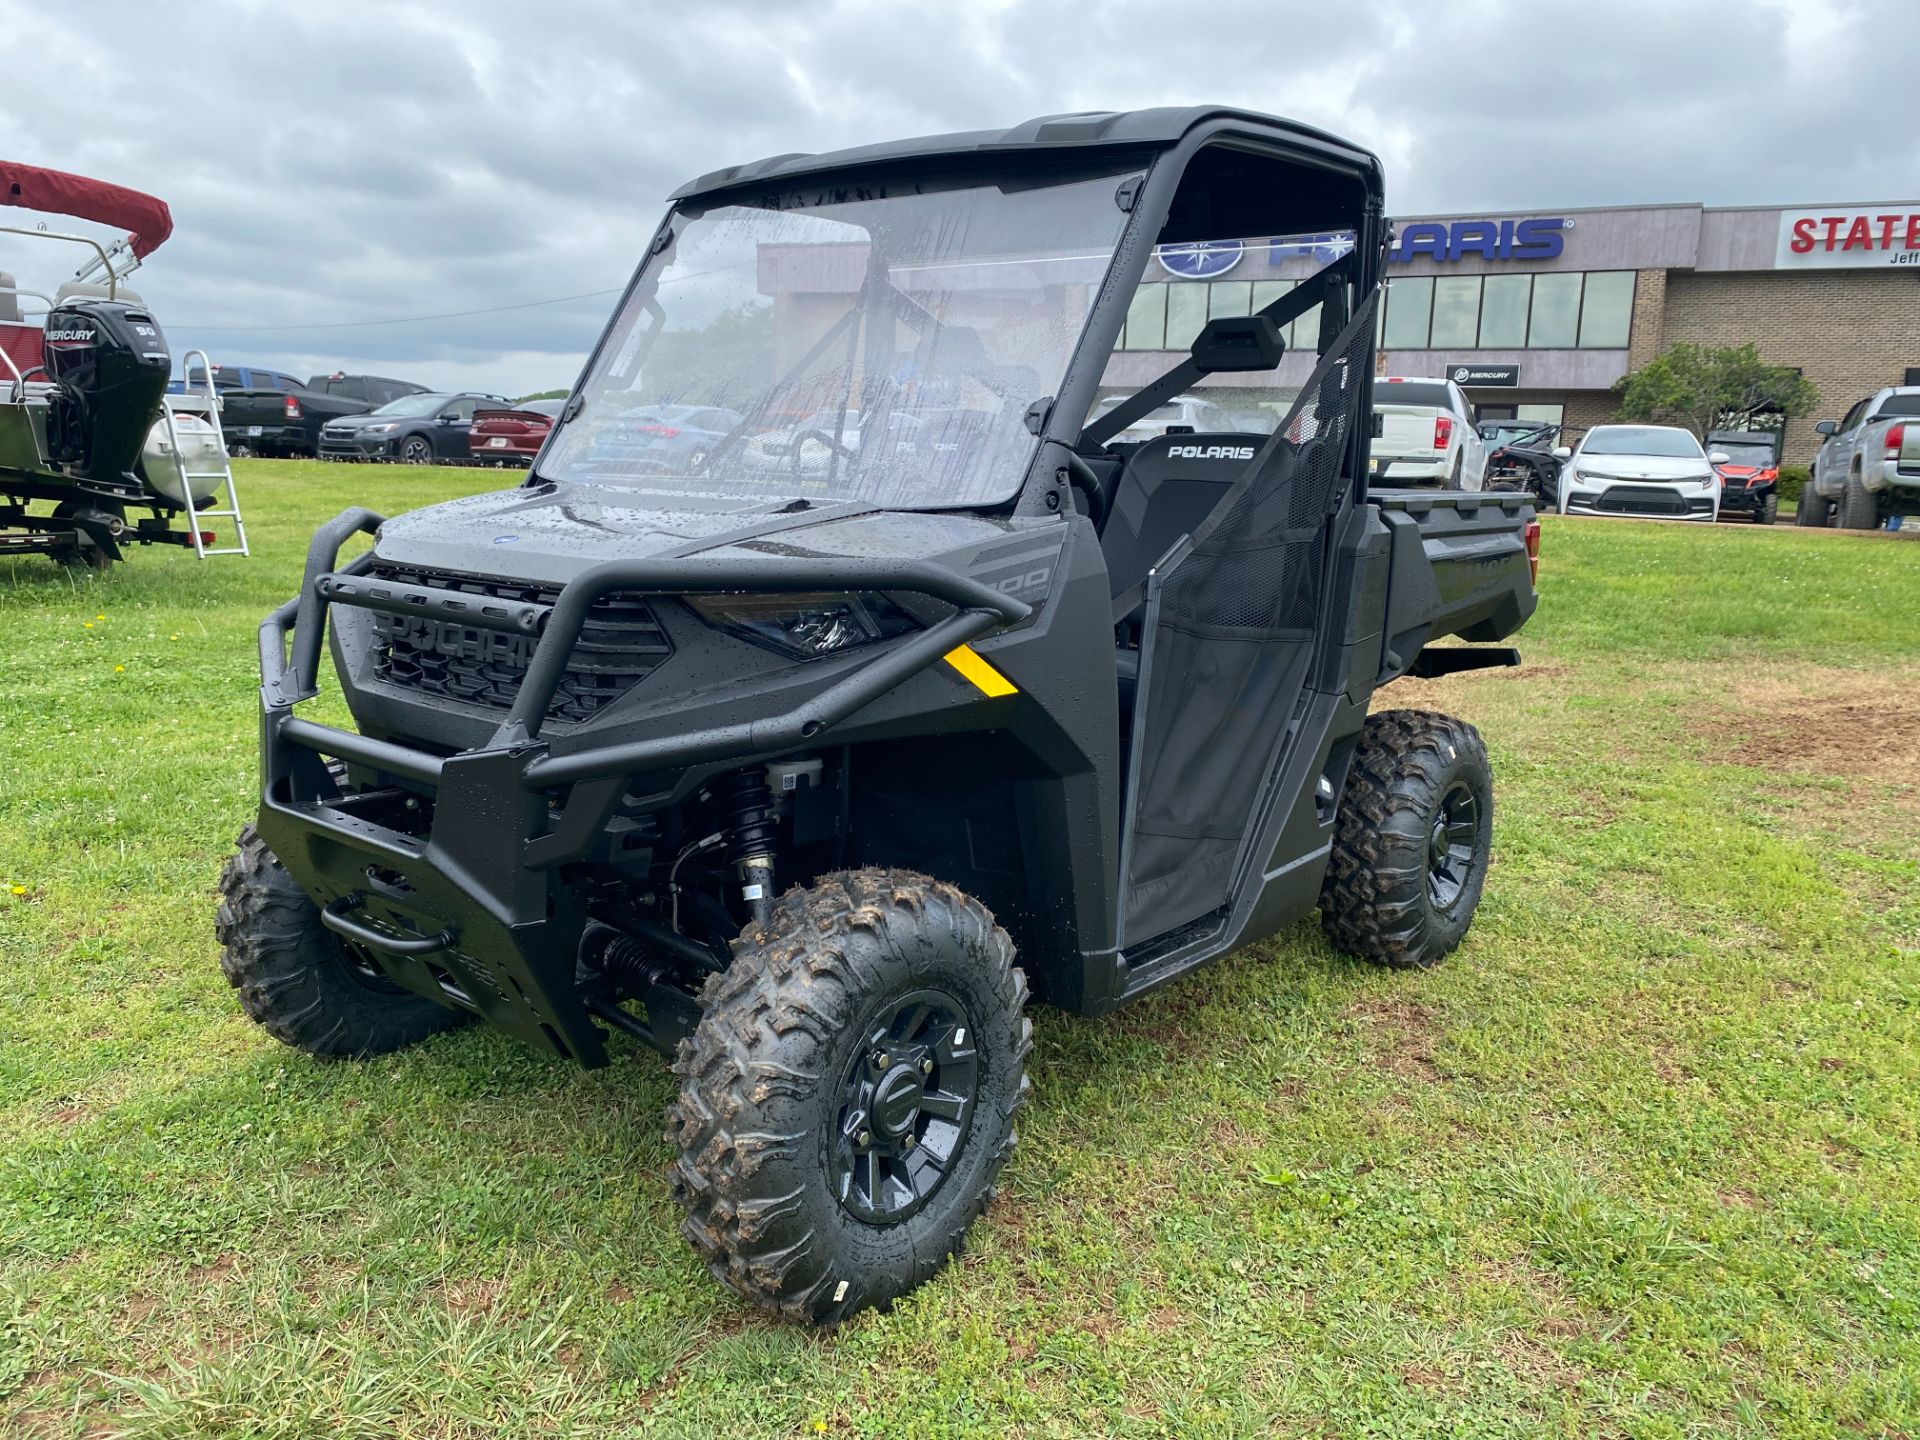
{"points": [[1545, 414], [1456, 312], [1503, 311], [1146, 320], [1606, 310], [1556, 312], [1229, 298], [1186, 314], [1409, 311]]}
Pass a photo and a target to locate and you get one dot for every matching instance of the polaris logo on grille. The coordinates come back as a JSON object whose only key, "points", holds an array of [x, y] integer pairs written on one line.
{"points": [[1210, 452], [463, 642]]}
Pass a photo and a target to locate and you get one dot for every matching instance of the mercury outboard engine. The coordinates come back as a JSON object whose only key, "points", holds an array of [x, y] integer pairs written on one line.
{"points": [[109, 364]]}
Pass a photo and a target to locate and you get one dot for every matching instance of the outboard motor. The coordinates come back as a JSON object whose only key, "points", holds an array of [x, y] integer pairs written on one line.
{"points": [[109, 364]]}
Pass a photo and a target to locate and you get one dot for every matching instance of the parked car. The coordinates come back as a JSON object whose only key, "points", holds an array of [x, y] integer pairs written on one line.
{"points": [[419, 429], [1868, 468], [234, 377], [679, 437], [1656, 472], [514, 435], [1424, 435], [286, 418], [1182, 413], [1751, 476]]}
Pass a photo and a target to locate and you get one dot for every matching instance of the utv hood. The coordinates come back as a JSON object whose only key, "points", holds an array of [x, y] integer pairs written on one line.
{"points": [[551, 534]]}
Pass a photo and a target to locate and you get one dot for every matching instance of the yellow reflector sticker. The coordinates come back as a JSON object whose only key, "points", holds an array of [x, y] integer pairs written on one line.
{"points": [[986, 679]]}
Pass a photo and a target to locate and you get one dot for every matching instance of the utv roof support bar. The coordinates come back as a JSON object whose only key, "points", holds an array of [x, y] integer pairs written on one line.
{"points": [[749, 576]]}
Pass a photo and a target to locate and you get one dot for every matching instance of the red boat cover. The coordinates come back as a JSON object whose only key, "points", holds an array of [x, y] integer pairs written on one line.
{"points": [[147, 220]]}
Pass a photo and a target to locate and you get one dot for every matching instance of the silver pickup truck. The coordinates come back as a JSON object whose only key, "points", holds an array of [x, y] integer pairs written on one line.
{"points": [[1868, 468]]}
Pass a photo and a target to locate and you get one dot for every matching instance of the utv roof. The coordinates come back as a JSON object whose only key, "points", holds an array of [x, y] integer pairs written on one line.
{"points": [[1084, 133]]}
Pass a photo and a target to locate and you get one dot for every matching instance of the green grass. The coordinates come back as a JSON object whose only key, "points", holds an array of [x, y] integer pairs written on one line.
{"points": [[1642, 1159]]}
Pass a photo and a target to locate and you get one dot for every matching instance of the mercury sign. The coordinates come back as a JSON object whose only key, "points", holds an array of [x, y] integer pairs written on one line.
{"points": [[1846, 239]]}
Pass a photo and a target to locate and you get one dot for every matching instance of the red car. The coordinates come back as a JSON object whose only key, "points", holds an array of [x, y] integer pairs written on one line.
{"points": [[513, 436]]}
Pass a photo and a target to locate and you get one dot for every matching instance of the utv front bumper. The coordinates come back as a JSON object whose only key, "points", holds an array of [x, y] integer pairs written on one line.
{"points": [[456, 872]]}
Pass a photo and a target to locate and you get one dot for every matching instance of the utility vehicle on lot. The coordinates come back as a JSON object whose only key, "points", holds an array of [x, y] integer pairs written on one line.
{"points": [[89, 436], [777, 769], [1750, 474]]}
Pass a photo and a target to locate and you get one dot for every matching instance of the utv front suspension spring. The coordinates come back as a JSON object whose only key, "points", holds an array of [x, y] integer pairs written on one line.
{"points": [[751, 823]]}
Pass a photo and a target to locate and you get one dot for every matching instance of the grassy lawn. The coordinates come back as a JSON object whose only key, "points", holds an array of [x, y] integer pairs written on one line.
{"points": [[1642, 1159]]}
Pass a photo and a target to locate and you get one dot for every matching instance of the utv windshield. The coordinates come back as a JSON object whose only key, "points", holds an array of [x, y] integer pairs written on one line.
{"points": [[879, 342]]}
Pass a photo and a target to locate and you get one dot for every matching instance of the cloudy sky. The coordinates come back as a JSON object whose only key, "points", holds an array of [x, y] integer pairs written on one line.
{"points": [[336, 170]]}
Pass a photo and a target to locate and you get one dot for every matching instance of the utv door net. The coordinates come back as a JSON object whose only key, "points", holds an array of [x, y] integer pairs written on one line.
{"points": [[1227, 638]]}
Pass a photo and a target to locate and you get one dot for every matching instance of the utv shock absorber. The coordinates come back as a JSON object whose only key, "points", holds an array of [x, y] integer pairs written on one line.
{"points": [[750, 817]]}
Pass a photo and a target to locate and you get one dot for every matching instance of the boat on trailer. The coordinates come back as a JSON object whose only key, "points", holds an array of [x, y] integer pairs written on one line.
{"points": [[94, 454]]}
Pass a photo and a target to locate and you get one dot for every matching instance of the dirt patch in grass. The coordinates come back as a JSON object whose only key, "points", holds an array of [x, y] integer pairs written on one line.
{"points": [[1401, 1034], [1822, 721]]}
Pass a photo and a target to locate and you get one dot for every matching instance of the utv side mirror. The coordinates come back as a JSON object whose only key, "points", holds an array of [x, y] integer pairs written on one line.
{"points": [[1719, 457], [1238, 342], [1825, 427], [1563, 452]]}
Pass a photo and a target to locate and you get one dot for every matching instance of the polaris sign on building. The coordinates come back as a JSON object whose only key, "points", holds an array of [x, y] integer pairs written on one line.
{"points": [[1530, 239]]}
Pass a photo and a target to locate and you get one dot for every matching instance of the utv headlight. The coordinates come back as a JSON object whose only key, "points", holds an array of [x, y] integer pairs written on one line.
{"points": [[806, 626]]}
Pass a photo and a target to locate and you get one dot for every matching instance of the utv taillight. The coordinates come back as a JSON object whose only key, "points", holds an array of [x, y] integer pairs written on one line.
{"points": [[1533, 551], [293, 408], [1896, 437], [1442, 432]]}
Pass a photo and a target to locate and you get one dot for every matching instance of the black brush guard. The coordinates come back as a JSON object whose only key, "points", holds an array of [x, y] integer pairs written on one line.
{"points": [[475, 914]]}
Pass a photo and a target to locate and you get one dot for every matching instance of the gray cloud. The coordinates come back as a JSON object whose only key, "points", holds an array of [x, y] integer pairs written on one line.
{"points": [[366, 160]]}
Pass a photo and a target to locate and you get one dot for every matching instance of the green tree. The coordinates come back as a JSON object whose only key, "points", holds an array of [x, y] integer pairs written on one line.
{"points": [[544, 395], [1715, 387]]}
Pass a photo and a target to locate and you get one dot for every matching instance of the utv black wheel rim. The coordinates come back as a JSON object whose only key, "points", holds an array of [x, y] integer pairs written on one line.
{"points": [[1451, 844], [906, 1107]]}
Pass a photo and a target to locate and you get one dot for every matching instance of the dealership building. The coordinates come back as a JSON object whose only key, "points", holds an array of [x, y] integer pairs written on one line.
{"points": [[1538, 314]]}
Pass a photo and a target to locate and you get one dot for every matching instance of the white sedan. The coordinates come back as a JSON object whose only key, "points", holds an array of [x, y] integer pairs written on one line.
{"points": [[1655, 472]]}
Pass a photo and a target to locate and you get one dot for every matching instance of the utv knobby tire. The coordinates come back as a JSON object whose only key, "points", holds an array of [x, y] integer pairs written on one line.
{"points": [[1767, 511], [1378, 899], [1859, 507], [764, 1079], [298, 980]]}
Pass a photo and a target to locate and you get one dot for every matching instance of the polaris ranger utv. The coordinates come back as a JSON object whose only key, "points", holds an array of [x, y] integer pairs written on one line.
{"points": [[773, 755]]}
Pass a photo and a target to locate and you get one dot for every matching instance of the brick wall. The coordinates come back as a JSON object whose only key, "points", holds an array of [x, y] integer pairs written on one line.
{"points": [[1851, 331], [1649, 318]]}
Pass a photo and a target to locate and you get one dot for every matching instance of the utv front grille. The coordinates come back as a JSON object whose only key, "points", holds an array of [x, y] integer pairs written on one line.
{"points": [[621, 644]]}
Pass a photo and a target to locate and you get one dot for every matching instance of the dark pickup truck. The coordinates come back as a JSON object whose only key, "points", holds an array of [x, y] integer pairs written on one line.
{"points": [[286, 421]]}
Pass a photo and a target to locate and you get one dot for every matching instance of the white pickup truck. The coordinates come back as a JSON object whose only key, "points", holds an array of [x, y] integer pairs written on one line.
{"points": [[1424, 435], [1868, 468]]}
